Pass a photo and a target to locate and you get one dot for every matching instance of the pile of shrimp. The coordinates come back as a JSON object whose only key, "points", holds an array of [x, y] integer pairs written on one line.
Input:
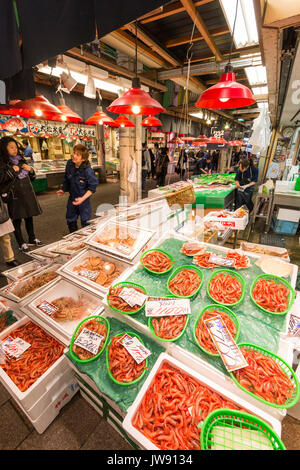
{"points": [[202, 333], [116, 237], [271, 295], [121, 364], [70, 309], [241, 261], [157, 261], [225, 288], [107, 271], [93, 325], [185, 283], [173, 406], [203, 260], [264, 377], [117, 302], [36, 360], [35, 282], [192, 249], [169, 327]]}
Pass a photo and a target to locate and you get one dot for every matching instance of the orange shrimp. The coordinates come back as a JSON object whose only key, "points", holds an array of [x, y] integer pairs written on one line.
{"points": [[157, 261], [122, 365], [202, 333], [185, 283], [271, 295]]}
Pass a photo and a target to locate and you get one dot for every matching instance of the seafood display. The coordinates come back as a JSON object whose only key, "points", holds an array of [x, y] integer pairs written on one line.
{"points": [[117, 302], [122, 366], [271, 295], [69, 309], [203, 260], [192, 249], [35, 282], [116, 237], [185, 282], [202, 333], [172, 408], [105, 272], [157, 261], [264, 377], [241, 261], [43, 352], [225, 288], [168, 327], [93, 325]]}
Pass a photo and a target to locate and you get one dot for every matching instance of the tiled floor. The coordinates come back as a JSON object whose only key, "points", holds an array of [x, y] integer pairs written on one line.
{"points": [[78, 426]]}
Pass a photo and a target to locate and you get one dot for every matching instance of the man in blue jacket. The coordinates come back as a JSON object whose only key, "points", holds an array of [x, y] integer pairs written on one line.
{"points": [[80, 182]]}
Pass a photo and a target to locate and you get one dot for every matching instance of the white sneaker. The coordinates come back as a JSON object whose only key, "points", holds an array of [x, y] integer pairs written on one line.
{"points": [[24, 248]]}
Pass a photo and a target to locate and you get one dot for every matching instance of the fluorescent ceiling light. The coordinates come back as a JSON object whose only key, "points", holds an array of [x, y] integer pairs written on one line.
{"points": [[245, 33], [197, 115], [256, 75], [260, 90], [263, 104]]}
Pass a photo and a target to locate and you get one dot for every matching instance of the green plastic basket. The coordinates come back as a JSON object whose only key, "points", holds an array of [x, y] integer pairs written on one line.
{"points": [[232, 274], [278, 280], [163, 339], [226, 429], [101, 320], [193, 268], [162, 251], [223, 309], [126, 284], [130, 333], [284, 366]]}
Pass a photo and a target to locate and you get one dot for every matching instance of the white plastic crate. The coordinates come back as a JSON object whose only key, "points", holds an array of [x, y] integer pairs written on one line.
{"points": [[28, 398], [209, 382], [234, 223], [19, 272]]}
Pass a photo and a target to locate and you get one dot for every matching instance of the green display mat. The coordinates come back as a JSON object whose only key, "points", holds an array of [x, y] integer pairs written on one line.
{"points": [[256, 326], [214, 198], [123, 396]]}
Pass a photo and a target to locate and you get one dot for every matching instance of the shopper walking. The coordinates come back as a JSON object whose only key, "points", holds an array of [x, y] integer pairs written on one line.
{"points": [[162, 166], [21, 199], [80, 182], [8, 254], [182, 164], [6, 226], [215, 160], [245, 180], [146, 165], [152, 158]]}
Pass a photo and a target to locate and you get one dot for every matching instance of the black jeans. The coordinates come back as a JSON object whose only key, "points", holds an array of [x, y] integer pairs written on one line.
{"points": [[29, 229]]}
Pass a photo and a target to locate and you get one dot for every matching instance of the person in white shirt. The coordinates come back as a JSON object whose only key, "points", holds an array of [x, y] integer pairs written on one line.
{"points": [[146, 165]]}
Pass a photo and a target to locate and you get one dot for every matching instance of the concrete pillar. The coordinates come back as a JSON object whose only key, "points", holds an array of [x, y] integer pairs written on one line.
{"points": [[223, 160]]}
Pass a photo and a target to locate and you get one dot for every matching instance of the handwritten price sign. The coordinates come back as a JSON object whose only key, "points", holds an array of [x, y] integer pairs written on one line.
{"points": [[164, 307], [89, 340], [135, 348]]}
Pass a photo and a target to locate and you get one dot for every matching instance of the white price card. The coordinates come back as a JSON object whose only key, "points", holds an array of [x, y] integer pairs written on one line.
{"points": [[91, 275], [89, 340], [230, 353], [294, 323], [132, 296], [165, 306], [221, 260], [14, 347], [47, 307], [135, 348]]}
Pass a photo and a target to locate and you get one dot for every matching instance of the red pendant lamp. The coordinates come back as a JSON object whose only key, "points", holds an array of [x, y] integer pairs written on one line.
{"points": [[99, 117], [38, 107], [113, 124], [227, 93], [151, 121], [67, 113], [123, 121], [188, 139], [200, 142], [202, 137]]}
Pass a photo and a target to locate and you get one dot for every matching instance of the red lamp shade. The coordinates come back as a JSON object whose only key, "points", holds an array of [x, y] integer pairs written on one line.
{"points": [[46, 135], [123, 121], [136, 101], [61, 136], [202, 137], [188, 139], [99, 117], [38, 107], [113, 124], [68, 114], [176, 140], [226, 94], [199, 142], [151, 121]]}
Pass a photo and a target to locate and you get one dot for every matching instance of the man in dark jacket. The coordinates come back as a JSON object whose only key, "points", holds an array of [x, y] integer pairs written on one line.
{"points": [[81, 182]]}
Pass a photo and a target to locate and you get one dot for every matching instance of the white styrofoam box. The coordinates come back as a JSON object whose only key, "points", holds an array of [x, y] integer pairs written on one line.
{"points": [[295, 410], [209, 382], [67, 270], [53, 409], [19, 272], [283, 186], [62, 380], [236, 223], [28, 398], [288, 214], [63, 288], [13, 294], [276, 251]]}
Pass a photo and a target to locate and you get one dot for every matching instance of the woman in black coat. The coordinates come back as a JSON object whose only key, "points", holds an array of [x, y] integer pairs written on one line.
{"points": [[21, 199]]}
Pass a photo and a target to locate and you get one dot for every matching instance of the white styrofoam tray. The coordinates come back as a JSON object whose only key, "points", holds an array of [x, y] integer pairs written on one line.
{"points": [[22, 300], [62, 288], [209, 382], [67, 270], [19, 272], [28, 398], [236, 223]]}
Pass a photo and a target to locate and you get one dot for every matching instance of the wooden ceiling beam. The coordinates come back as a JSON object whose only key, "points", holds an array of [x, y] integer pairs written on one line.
{"points": [[242, 51], [171, 9], [197, 37], [216, 80], [200, 25]]}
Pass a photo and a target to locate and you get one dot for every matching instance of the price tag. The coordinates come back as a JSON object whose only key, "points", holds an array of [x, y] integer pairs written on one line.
{"points": [[164, 306], [124, 249], [12, 286], [89, 340], [91, 275], [225, 344], [47, 307], [13, 348], [135, 348], [220, 260], [132, 297]]}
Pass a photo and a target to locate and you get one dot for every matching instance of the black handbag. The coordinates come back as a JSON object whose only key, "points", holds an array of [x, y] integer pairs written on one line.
{"points": [[4, 216]]}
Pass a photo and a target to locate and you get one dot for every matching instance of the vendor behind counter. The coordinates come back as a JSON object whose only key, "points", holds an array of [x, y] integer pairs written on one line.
{"points": [[245, 180]]}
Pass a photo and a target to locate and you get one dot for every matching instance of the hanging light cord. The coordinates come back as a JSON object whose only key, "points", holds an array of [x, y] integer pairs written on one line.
{"points": [[136, 50], [235, 17]]}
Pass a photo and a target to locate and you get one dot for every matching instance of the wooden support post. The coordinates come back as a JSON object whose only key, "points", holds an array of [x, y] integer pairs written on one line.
{"points": [[100, 149]]}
